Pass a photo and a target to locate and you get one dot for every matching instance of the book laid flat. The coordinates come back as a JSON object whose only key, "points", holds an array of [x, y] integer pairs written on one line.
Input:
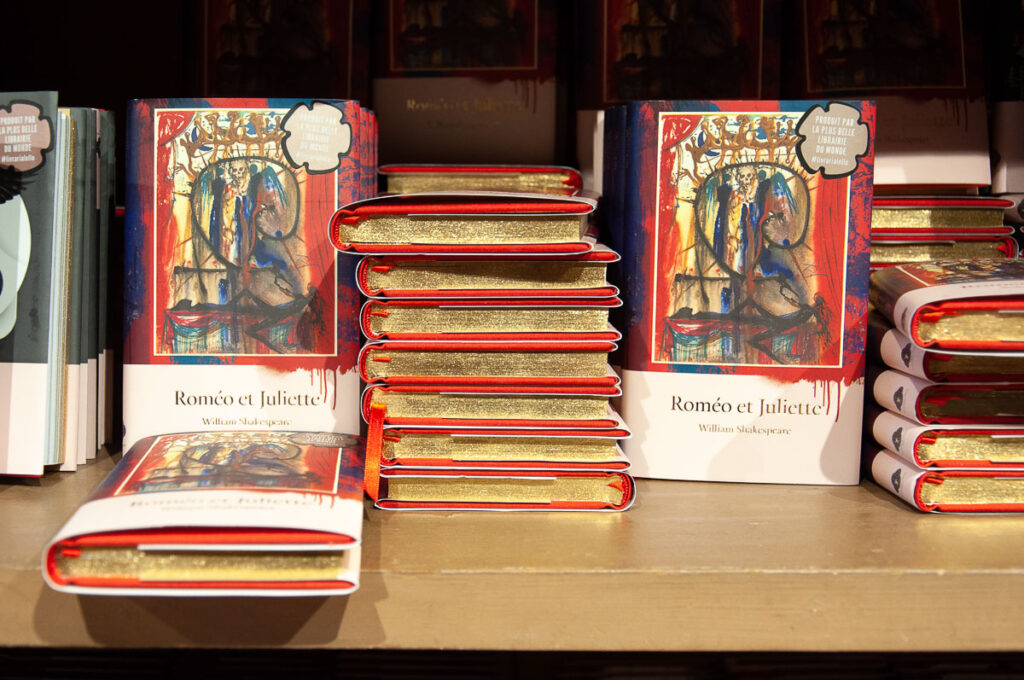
{"points": [[746, 270], [239, 312], [926, 246], [485, 319], [947, 490], [539, 406], [888, 346], [453, 222], [954, 304], [503, 448], [582, 276], [939, 213], [535, 179], [960, 446], [219, 513], [487, 362], [950, 402]]}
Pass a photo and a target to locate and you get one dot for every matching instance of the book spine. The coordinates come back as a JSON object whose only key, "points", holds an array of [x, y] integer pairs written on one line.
{"points": [[898, 477]]}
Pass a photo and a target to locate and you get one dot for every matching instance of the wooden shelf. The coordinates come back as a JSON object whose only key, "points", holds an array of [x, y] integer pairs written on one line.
{"points": [[690, 567]]}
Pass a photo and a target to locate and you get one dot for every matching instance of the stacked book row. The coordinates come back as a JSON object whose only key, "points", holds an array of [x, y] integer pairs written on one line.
{"points": [[948, 435], [486, 360], [56, 207]]}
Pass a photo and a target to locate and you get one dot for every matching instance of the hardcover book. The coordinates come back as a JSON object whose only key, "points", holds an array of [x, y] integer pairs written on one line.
{"points": [[949, 446], [452, 222], [485, 319], [33, 270], [746, 267], [890, 248], [926, 402], [490, 276], [959, 214], [947, 490], [536, 179], [219, 513], [969, 304], [889, 347], [239, 312]]}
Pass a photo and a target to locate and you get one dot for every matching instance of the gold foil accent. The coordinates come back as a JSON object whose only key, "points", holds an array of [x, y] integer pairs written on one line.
{"points": [[976, 325], [481, 274], [531, 182], [973, 491], [502, 490], [953, 445], [929, 218], [487, 319], [449, 362], [973, 403], [472, 448], [497, 406], [457, 229], [189, 566], [896, 253], [973, 364]]}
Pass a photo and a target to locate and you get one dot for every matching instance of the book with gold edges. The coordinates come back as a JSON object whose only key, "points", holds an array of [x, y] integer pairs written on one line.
{"points": [[973, 304], [946, 489], [535, 406], [489, 319], [964, 214], [487, 363], [538, 179], [219, 513], [960, 402], [498, 448], [892, 248], [888, 346], [580, 276], [464, 222], [961, 446]]}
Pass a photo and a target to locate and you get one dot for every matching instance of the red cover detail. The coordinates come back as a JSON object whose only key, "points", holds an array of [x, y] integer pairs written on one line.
{"points": [[571, 248], [583, 295], [941, 202], [90, 582], [938, 310], [204, 536]]}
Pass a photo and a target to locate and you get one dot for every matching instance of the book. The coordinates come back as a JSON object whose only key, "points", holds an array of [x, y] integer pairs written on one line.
{"points": [[947, 490], [948, 446], [497, 448], [238, 311], [33, 269], [457, 82], [233, 512], [746, 272], [488, 276], [890, 248], [889, 347], [487, 319], [950, 402], [487, 362], [452, 222], [960, 214], [531, 406], [537, 179], [969, 304]]}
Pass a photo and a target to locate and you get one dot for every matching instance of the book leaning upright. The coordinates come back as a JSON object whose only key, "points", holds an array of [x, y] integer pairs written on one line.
{"points": [[745, 279], [239, 315]]}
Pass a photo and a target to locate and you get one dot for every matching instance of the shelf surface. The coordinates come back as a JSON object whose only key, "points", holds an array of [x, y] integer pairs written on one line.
{"points": [[691, 567]]}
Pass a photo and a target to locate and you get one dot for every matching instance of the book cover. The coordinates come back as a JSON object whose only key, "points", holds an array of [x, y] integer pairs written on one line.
{"points": [[239, 313], [746, 265], [219, 513], [959, 304], [32, 321], [947, 490]]}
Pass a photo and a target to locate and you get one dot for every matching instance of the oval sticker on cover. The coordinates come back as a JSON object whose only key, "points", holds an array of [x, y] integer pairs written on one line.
{"points": [[833, 138], [317, 136]]}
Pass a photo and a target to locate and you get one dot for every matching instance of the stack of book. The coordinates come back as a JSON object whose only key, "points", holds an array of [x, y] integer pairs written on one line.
{"points": [[56, 199], [486, 361], [908, 229], [949, 340]]}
